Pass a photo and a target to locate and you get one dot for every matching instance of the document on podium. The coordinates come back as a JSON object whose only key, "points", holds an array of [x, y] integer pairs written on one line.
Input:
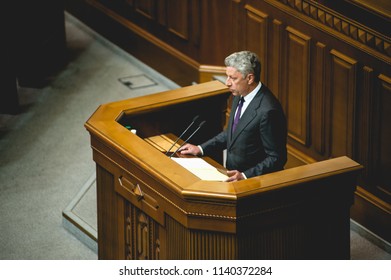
{"points": [[201, 169]]}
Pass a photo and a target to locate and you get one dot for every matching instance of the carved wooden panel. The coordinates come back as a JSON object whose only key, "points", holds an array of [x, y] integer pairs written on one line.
{"points": [[142, 241], [366, 129], [384, 146], [342, 93], [256, 35], [177, 18], [338, 25], [297, 83]]}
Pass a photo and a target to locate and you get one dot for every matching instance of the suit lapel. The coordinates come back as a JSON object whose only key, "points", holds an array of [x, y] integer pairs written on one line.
{"points": [[247, 117]]}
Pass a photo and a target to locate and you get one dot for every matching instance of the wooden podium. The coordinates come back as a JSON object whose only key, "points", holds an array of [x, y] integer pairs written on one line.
{"points": [[150, 207]]}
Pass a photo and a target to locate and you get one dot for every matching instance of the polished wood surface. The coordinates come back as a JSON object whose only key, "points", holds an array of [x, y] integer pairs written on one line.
{"points": [[328, 62], [149, 207]]}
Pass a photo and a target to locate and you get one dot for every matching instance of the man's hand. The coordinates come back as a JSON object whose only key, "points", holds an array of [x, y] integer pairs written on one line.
{"points": [[189, 149], [234, 175]]}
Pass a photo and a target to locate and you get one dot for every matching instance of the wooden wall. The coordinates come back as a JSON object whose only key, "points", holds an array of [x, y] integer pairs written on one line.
{"points": [[331, 73]]}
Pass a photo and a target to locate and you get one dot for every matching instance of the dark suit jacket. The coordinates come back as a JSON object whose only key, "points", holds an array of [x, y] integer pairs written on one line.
{"points": [[258, 146]]}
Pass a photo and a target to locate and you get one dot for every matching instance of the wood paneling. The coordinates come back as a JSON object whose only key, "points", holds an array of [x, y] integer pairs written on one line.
{"points": [[161, 12], [329, 22], [318, 104], [177, 18], [383, 174], [142, 239], [330, 72], [146, 8], [219, 22], [276, 59], [256, 35], [297, 81], [110, 210], [198, 245], [342, 94], [366, 130]]}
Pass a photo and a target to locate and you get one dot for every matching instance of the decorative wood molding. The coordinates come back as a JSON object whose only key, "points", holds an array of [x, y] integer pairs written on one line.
{"points": [[338, 25], [141, 235], [367, 196]]}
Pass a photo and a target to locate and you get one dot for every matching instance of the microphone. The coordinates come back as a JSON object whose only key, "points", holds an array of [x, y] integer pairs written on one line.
{"points": [[180, 136], [198, 128]]}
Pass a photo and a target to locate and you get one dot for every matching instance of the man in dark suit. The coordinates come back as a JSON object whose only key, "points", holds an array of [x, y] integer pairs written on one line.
{"points": [[256, 134]]}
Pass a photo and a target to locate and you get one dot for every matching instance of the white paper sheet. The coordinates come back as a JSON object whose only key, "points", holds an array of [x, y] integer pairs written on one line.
{"points": [[201, 169]]}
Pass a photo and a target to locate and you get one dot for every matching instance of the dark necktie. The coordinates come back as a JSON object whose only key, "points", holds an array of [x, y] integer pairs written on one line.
{"points": [[238, 112]]}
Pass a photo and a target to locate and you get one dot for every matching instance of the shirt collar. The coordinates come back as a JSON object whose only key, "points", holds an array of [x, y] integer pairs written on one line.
{"points": [[252, 94]]}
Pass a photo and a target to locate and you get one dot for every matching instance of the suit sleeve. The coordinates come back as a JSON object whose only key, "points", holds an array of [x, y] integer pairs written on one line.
{"points": [[219, 142], [273, 136]]}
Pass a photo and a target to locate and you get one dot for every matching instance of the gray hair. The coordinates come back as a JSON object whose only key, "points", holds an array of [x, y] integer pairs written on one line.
{"points": [[245, 62]]}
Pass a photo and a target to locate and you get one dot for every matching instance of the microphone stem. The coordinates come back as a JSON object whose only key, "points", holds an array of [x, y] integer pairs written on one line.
{"points": [[176, 141], [188, 138], [183, 133]]}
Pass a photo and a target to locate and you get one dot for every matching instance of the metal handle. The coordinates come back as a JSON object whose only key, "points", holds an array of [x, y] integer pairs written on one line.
{"points": [[134, 188]]}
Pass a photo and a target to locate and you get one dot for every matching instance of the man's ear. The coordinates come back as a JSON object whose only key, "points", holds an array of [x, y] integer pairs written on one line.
{"points": [[250, 78]]}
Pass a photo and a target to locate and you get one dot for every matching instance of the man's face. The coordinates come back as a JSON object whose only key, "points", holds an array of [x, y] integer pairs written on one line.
{"points": [[236, 83]]}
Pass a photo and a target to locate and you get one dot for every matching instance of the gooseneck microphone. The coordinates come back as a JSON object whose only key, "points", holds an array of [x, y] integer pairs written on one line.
{"points": [[180, 136], [198, 128]]}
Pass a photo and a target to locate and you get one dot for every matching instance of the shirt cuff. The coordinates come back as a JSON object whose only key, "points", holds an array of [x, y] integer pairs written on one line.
{"points": [[202, 151]]}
